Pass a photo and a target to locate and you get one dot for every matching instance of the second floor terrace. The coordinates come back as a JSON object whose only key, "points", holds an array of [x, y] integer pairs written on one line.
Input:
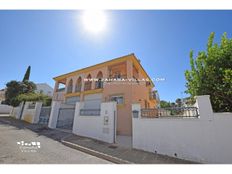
{"points": [[94, 78]]}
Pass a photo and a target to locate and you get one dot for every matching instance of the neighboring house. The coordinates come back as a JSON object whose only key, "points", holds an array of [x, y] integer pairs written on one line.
{"points": [[2, 95], [44, 88], [71, 88]]}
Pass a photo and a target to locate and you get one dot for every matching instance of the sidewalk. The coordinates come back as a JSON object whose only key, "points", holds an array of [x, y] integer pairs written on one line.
{"points": [[118, 154]]}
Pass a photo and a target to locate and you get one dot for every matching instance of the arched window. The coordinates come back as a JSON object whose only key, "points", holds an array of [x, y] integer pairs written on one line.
{"points": [[88, 83], [78, 85], [99, 83], [70, 86]]}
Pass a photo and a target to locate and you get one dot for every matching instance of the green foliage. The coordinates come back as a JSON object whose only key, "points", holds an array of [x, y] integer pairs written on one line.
{"points": [[211, 74], [12, 91], [178, 102], [166, 104], [15, 88], [27, 74], [35, 97]]}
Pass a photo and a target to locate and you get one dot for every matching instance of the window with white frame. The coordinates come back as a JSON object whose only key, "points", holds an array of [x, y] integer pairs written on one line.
{"points": [[118, 98]]}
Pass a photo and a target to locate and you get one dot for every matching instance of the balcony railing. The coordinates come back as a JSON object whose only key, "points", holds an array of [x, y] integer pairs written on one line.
{"points": [[115, 76], [98, 84], [175, 112], [69, 90], [87, 86], [149, 113], [178, 112], [78, 89]]}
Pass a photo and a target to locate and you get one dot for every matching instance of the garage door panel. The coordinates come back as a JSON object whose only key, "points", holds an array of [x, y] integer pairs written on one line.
{"points": [[72, 100], [92, 101], [65, 118]]}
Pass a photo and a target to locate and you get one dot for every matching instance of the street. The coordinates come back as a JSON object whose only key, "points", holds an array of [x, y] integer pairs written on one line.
{"points": [[19, 145]]}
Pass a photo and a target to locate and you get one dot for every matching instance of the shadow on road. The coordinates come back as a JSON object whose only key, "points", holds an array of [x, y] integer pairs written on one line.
{"points": [[40, 130], [124, 153]]}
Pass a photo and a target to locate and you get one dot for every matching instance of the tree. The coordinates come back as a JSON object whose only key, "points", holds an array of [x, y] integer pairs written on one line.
{"points": [[35, 97], [28, 87], [179, 102], [165, 104], [27, 74], [211, 74], [15, 88]]}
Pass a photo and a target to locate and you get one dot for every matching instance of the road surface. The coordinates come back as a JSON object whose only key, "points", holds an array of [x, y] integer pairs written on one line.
{"points": [[39, 149]]}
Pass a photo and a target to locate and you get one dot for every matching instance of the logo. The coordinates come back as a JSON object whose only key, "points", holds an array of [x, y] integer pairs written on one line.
{"points": [[28, 146]]}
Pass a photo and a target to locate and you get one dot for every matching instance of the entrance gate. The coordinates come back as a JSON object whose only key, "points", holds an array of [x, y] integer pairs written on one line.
{"points": [[44, 115], [65, 118]]}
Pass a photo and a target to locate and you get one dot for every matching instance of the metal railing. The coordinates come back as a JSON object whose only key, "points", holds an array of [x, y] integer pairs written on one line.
{"points": [[69, 89], [90, 112], [88, 86], [98, 84], [78, 88], [174, 112], [149, 113], [31, 106], [123, 76]]}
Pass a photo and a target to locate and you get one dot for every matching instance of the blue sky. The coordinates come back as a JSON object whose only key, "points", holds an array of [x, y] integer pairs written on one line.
{"points": [[55, 42]]}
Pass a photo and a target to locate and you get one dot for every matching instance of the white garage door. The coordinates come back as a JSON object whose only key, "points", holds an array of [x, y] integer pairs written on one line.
{"points": [[72, 100], [92, 101]]}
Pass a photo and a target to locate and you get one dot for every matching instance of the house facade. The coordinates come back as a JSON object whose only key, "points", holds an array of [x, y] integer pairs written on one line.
{"points": [[109, 81]]}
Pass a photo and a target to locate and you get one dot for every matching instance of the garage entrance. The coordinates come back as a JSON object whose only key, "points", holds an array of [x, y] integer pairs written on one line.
{"points": [[92, 101], [65, 118]]}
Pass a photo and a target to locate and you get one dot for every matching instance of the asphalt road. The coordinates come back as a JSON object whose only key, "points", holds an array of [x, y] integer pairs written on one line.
{"points": [[49, 150]]}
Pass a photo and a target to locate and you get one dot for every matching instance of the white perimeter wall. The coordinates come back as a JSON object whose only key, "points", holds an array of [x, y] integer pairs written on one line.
{"points": [[31, 115], [207, 139], [5, 109], [96, 127]]}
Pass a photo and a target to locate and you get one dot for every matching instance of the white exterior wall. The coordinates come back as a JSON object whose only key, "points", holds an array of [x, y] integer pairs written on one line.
{"points": [[95, 126], [31, 115], [206, 139], [54, 114], [16, 111], [5, 109]]}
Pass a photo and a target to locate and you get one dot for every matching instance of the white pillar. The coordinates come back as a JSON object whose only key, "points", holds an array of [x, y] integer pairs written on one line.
{"points": [[24, 109], [136, 107], [204, 107], [38, 107], [19, 110], [78, 107], [109, 121], [54, 114]]}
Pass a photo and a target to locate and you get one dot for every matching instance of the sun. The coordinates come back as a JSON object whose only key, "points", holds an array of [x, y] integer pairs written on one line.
{"points": [[94, 21]]}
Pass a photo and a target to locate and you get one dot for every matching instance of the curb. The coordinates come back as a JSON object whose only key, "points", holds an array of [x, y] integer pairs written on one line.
{"points": [[95, 153]]}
